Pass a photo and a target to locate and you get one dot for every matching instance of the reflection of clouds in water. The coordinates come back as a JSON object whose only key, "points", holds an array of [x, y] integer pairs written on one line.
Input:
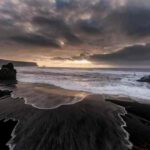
{"points": [[44, 96]]}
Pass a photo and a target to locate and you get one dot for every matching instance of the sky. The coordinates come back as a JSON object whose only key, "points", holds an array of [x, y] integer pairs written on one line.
{"points": [[76, 33]]}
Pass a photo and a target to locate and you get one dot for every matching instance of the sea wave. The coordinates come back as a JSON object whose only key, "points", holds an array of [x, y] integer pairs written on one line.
{"points": [[96, 81]]}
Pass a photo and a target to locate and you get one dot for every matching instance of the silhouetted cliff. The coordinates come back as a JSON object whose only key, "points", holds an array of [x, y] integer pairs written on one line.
{"points": [[17, 63]]}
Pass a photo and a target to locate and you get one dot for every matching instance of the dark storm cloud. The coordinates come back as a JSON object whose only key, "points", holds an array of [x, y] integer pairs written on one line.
{"points": [[36, 40], [51, 22], [58, 19], [133, 21], [92, 24], [90, 27], [62, 4], [56, 27], [138, 54], [131, 55]]}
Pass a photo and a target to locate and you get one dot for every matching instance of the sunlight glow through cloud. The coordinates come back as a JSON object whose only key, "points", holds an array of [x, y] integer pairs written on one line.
{"points": [[71, 64], [71, 28]]}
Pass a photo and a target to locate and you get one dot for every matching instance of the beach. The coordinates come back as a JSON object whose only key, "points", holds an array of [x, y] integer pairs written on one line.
{"points": [[74, 74], [62, 123], [138, 123], [90, 123]]}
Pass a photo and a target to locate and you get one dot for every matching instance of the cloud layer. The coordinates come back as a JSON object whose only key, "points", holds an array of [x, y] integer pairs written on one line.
{"points": [[102, 25], [132, 55]]}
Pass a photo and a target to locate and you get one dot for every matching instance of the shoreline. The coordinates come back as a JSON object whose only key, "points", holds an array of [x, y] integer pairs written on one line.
{"points": [[122, 110], [138, 123], [13, 135], [38, 95], [92, 104]]}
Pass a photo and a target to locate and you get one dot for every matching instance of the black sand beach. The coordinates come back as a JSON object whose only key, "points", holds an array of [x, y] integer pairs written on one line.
{"points": [[138, 123], [91, 124]]}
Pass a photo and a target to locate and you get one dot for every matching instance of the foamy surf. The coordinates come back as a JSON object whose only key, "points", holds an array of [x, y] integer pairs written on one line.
{"points": [[95, 81], [43, 96]]}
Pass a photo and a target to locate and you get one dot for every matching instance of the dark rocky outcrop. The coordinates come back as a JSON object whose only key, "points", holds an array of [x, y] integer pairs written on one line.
{"points": [[145, 79], [6, 128], [8, 72]]}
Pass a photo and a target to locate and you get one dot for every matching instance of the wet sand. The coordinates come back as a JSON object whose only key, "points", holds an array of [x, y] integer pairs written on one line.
{"points": [[89, 124], [44, 96], [138, 123]]}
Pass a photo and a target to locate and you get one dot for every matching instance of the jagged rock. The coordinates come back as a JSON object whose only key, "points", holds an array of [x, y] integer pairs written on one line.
{"points": [[8, 72], [145, 79]]}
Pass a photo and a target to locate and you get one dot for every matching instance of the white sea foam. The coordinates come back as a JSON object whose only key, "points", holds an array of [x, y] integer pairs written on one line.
{"points": [[122, 83]]}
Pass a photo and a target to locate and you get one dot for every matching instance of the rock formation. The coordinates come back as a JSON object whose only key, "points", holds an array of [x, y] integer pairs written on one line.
{"points": [[145, 79], [8, 72]]}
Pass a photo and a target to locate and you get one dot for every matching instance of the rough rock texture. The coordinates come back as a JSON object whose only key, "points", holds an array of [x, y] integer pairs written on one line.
{"points": [[8, 72], [145, 79]]}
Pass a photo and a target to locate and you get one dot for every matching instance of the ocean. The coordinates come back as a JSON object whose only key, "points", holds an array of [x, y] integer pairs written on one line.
{"points": [[117, 82], [69, 111]]}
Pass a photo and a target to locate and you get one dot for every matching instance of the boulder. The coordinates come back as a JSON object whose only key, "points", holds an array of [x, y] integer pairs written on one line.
{"points": [[145, 79], [8, 72]]}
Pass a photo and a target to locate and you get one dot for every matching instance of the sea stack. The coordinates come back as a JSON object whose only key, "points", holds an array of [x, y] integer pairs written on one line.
{"points": [[145, 79], [7, 72]]}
